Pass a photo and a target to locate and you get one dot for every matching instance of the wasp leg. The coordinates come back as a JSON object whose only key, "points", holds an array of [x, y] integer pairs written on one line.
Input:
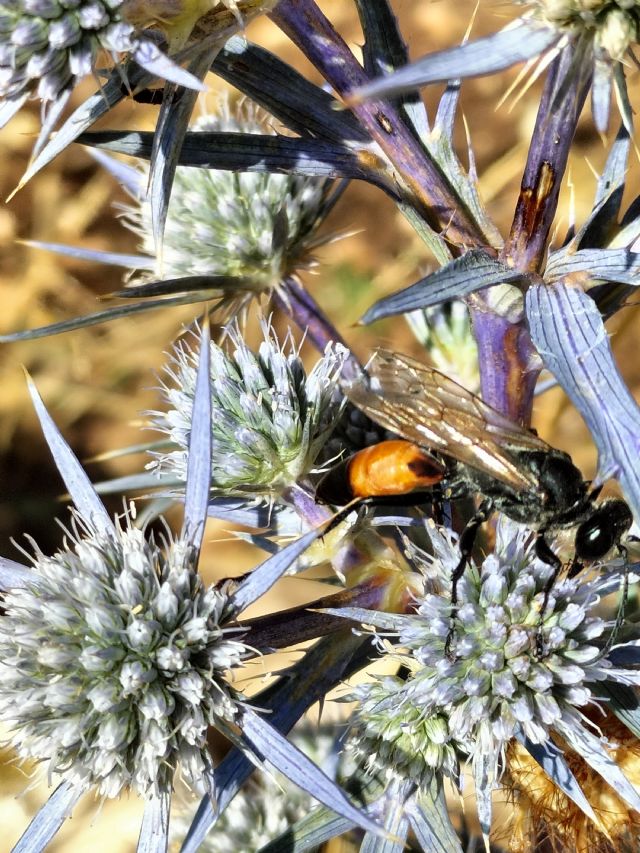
{"points": [[467, 541], [409, 499], [544, 553]]}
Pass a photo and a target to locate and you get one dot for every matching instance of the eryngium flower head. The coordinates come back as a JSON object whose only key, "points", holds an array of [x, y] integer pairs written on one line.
{"points": [[270, 418], [614, 23], [255, 227], [46, 46], [113, 662], [513, 674]]}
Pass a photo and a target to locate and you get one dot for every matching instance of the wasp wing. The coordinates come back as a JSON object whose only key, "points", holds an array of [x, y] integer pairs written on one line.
{"points": [[424, 406]]}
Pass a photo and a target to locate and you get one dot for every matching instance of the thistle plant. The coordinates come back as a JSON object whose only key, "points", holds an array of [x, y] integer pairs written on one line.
{"points": [[465, 557]]}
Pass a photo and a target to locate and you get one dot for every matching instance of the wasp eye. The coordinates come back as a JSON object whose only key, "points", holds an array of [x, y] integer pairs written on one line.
{"points": [[604, 529]]}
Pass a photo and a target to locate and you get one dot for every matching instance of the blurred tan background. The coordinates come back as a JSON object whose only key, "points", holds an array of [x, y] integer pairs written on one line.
{"points": [[96, 382]]}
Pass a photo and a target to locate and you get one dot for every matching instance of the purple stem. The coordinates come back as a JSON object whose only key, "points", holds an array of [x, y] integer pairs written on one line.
{"points": [[421, 181], [565, 91], [508, 367], [311, 319]]}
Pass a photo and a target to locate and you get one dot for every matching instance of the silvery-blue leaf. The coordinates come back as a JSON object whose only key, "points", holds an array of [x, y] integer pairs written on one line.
{"points": [[14, 575], [329, 662], [391, 622], [612, 179], [389, 809], [208, 285], [483, 767], [263, 578], [150, 57], [613, 265], [132, 262], [53, 113], [198, 484], [624, 703], [626, 654], [385, 50], [473, 271], [472, 59], [134, 483], [447, 109], [8, 108], [105, 316], [49, 819], [260, 515], [154, 830], [254, 152], [622, 96], [281, 754], [299, 104], [429, 817], [133, 180], [568, 332], [601, 223], [601, 93], [171, 129], [552, 761], [593, 752], [75, 479], [309, 833]]}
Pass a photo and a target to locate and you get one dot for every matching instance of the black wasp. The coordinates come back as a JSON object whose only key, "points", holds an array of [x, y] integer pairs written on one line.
{"points": [[454, 442]]}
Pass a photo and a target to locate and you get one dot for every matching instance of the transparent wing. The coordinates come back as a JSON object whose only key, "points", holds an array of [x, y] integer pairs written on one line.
{"points": [[424, 406]]}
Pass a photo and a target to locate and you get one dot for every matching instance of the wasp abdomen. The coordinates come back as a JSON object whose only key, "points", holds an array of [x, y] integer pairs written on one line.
{"points": [[386, 469]]}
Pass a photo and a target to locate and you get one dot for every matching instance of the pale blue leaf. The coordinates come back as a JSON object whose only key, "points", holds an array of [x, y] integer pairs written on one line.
{"points": [[132, 179], [384, 50], [156, 63], [552, 760], [429, 817], [14, 575], [133, 262], [53, 113], [8, 108], [601, 93], [154, 831], [276, 518], [263, 578], [135, 483], [483, 776], [568, 332], [390, 810], [388, 622], [626, 654], [273, 748], [309, 833], [473, 271], [329, 662], [107, 315], [171, 128], [622, 96], [623, 701], [75, 479], [612, 265], [253, 152], [474, 58], [593, 752], [49, 819], [299, 104], [198, 484], [612, 180]]}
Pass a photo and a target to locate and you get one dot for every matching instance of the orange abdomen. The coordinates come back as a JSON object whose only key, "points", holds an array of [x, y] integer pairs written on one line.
{"points": [[392, 468]]}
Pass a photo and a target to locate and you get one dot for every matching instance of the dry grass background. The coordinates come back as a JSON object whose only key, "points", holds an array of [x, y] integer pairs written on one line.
{"points": [[96, 382]]}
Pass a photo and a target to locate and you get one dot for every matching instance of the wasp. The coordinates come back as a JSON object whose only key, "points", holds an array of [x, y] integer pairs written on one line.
{"points": [[453, 443]]}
